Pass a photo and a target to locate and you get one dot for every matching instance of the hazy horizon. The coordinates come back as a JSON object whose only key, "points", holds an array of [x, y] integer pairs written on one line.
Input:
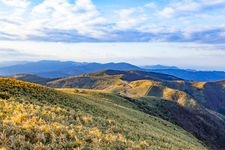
{"points": [[13, 63], [193, 56]]}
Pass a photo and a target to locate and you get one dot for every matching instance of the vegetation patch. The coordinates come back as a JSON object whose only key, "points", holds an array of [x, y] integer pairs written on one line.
{"points": [[4, 95]]}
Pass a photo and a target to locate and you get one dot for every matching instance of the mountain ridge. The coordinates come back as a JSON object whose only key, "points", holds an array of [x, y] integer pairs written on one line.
{"points": [[139, 83], [59, 69], [55, 69]]}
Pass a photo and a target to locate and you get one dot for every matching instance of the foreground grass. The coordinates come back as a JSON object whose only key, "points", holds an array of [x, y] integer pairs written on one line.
{"points": [[36, 117]]}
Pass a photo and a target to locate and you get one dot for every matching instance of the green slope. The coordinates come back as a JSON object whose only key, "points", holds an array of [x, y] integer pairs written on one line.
{"points": [[37, 117], [30, 78], [204, 124], [194, 106]]}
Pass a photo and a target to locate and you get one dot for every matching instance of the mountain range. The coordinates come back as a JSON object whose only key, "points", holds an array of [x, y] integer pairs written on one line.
{"points": [[56, 69], [59, 69]]}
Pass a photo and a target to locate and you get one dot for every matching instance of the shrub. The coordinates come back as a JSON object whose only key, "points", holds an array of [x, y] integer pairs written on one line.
{"points": [[4, 95]]}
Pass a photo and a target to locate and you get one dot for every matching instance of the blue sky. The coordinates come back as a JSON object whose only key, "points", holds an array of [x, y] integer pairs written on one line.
{"points": [[185, 22]]}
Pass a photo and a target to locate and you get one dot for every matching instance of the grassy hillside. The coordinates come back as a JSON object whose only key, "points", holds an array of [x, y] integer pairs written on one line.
{"points": [[30, 78], [214, 96], [37, 117], [138, 84], [204, 124], [194, 106], [129, 83], [108, 78]]}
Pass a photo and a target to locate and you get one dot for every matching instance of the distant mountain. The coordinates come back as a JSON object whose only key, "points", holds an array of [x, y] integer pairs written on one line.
{"points": [[187, 74], [160, 67], [192, 74], [56, 69], [36, 67], [59, 69], [11, 63]]}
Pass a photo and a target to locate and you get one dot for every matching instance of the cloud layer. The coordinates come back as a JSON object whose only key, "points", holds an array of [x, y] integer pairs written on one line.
{"points": [[84, 21]]}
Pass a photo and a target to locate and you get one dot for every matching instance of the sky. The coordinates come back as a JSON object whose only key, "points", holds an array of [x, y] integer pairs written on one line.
{"points": [[184, 33]]}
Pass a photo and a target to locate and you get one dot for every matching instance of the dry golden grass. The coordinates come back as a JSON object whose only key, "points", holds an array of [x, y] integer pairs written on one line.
{"points": [[179, 96], [48, 127], [198, 85], [139, 88]]}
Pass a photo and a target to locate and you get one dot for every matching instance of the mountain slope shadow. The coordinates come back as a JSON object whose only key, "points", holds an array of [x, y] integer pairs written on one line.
{"points": [[207, 126]]}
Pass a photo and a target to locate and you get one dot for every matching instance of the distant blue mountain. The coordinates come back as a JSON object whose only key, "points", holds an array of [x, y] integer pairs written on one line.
{"points": [[192, 75], [59, 69], [160, 67], [11, 63], [56, 69]]}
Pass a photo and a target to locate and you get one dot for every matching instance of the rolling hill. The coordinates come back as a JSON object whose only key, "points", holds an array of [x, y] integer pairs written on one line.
{"points": [[138, 84], [30, 78], [37, 117], [104, 79]]}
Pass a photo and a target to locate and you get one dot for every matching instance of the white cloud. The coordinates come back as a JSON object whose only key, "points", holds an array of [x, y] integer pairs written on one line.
{"points": [[174, 9], [81, 17], [151, 5], [190, 6], [130, 18], [16, 3], [167, 12], [212, 2], [179, 8], [85, 5], [63, 21]]}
